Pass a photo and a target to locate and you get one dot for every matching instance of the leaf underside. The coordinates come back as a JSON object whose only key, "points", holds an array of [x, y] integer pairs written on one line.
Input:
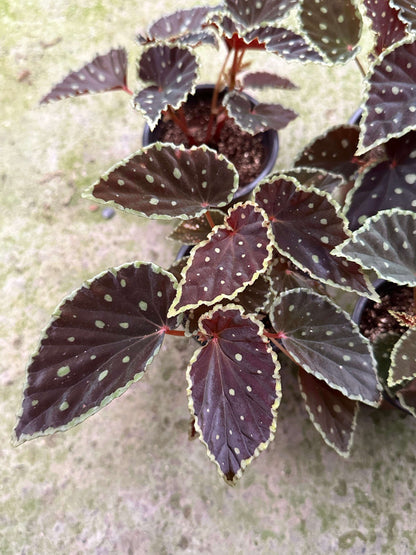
{"points": [[390, 103], [171, 73], [385, 23], [385, 244], [101, 339], [234, 390], [339, 29], [257, 118], [168, 181], [324, 341], [332, 414], [232, 257], [262, 79], [307, 227], [107, 72]]}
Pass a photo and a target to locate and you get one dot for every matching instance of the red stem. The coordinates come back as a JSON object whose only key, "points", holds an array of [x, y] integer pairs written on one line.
{"points": [[178, 118], [209, 219], [179, 333]]}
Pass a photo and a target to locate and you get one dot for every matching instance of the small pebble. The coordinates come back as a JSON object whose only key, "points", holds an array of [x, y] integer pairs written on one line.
{"points": [[108, 213]]}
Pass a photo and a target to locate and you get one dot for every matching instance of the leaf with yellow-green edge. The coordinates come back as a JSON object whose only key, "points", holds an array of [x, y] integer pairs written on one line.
{"points": [[403, 360], [101, 340], [332, 414], [230, 259], [263, 79], [166, 181], [107, 72], [407, 397], [170, 72], [333, 26], [250, 13], [233, 389], [307, 225], [191, 232], [385, 244], [407, 12], [325, 342], [386, 24], [284, 276], [390, 96], [323, 180]]}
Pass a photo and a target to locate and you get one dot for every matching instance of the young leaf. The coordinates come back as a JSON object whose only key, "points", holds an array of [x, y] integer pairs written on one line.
{"points": [[100, 340], [385, 23], [234, 389], [403, 359], [325, 342], [386, 184], [332, 414], [191, 232], [107, 72], [258, 118], [171, 73], [339, 28], [250, 13], [390, 98], [262, 79], [167, 181], [307, 226], [333, 151], [232, 257], [385, 244]]}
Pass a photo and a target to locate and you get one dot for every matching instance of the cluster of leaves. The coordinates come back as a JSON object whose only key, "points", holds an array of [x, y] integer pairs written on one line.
{"points": [[274, 256]]}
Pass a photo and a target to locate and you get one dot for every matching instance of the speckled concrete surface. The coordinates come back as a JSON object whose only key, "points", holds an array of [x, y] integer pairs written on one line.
{"points": [[127, 481]]}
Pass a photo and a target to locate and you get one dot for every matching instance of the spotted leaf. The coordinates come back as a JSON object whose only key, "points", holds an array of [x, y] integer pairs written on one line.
{"points": [[107, 72], [332, 414], [191, 232], [284, 275], [385, 22], [181, 25], [403, 360], [249, 13], [333, 151], [284, 42], [390, 98], [100, 340], [262, 79], [232, 257], [407, 12], [167, 181], [257, 118], [385, 244], [339, 29], [386, 184], [407, 397], [171, 73], [324, 341], [234, 389], [307, 226]]}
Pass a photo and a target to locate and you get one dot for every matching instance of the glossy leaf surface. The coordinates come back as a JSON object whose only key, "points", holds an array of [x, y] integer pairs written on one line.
{"points": [[167, 181], [332, 414], [170, 73], [232, 257], [407, 12], [257, 118], [100, 340], [325, 342], [385, 244], [234, 389], [385, 23], [107, 72]]}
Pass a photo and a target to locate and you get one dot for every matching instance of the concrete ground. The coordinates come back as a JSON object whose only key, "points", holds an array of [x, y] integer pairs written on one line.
{"points": [[127, 480]]}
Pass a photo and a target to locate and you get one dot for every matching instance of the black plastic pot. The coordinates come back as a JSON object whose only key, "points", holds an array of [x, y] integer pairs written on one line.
{"points": [[269, 140], [382, 287]]}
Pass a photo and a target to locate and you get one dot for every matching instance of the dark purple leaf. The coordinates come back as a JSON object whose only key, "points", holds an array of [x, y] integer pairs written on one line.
{"points": [[179, 25], [101, 339], [333, 26], [333, 151], [285, 276], [232, 257], [385, 23], [191, 232], [407, 12], [105, 73], [332, 414], [319, 179], [387, 184], [255, 297], [257, 118], [167, 181], [284, 42], [307, 226], [403, 359], [249, 13], [325, 342], [234, 390], [171, 73], [407, 397], [261, 79], [390, 102]]}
